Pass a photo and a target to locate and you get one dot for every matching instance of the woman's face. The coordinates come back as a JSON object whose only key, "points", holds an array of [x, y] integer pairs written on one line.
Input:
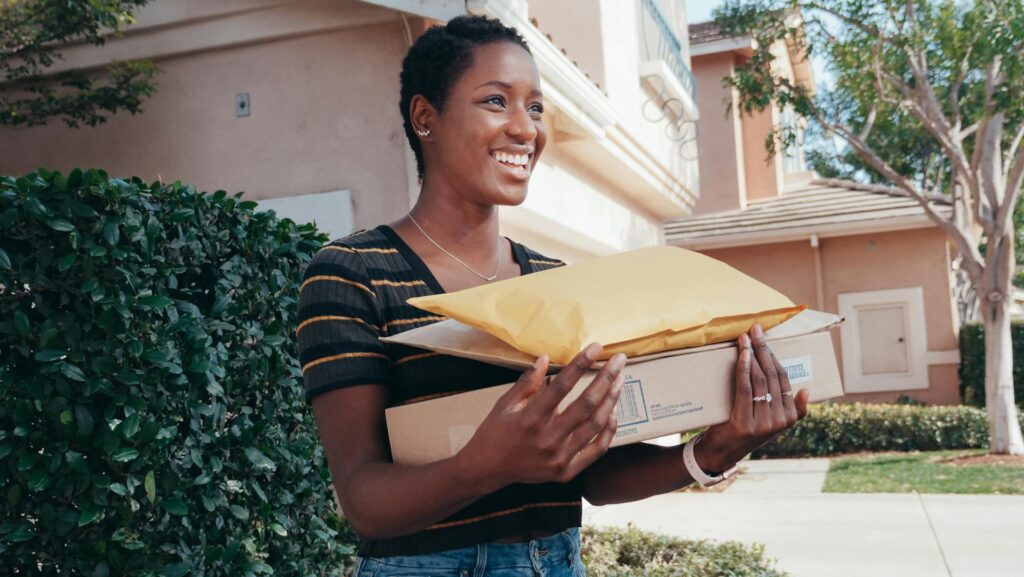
{"points": [[491, 133]]}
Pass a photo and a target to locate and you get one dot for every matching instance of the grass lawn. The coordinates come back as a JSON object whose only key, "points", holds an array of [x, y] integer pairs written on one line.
{"points": [[926, 472]]}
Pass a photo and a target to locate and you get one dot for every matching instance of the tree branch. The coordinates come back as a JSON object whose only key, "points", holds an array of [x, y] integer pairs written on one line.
{"points": [[972, 257]]}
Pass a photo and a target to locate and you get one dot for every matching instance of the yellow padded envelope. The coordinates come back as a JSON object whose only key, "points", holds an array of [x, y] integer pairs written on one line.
{"points": [[638, 302]]}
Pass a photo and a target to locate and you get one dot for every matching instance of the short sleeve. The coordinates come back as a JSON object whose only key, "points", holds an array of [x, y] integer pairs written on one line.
{"points": [[339, 324]]}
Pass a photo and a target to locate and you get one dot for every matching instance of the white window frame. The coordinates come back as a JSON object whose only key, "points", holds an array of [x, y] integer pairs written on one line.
{"points": [[855, 381], [331, 211]]}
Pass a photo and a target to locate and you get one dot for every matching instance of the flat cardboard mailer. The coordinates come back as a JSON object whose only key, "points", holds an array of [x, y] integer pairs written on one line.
{"points": [[664, 393]]}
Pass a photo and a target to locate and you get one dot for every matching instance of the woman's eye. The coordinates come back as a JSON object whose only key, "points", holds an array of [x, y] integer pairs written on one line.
{"points": [[496, 99], [538, 108]]}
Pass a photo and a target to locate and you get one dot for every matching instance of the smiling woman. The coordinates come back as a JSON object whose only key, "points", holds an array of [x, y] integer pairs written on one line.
{"points": [[472, 109], [509, 503]]}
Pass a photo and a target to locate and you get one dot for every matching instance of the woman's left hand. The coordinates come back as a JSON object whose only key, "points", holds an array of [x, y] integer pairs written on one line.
{"points": [[752, 422]]}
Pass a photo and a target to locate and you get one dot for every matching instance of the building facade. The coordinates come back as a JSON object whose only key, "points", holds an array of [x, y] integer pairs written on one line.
{"points": [[867, 253], [295, 102]]}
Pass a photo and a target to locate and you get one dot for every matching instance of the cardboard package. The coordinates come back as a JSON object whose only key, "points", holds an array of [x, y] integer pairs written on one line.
{"points": [[663, 393], [560, 310]]}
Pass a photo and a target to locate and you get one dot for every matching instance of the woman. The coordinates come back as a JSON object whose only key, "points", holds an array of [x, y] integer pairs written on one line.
{"points": [[509, 502]]}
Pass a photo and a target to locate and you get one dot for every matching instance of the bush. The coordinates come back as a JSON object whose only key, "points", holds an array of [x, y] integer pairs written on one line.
{"points": [[834, 428], [151, 414], [616, 552], [972, 362]]}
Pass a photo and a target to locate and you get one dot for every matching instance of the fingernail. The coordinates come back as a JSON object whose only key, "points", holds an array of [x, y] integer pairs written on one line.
{"points": [[757, 330], [618, 361], [539, 362], [592, 350]]}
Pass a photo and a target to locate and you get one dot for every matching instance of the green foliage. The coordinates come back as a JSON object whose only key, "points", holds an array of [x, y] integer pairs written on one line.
{"points": [[931, 472], [629, 552], [31, 33], [972, 362], [836, 428], [151, 412], [861, 40]]}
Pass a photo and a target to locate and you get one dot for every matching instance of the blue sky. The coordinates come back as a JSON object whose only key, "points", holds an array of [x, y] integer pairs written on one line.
{"points": [[700, 10]]}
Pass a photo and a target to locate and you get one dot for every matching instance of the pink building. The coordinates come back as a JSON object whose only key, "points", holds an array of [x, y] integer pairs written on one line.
{"points": [[863, 252]]}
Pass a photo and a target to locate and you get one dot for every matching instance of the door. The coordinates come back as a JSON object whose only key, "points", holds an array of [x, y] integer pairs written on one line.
{"points": [[883, 339]]}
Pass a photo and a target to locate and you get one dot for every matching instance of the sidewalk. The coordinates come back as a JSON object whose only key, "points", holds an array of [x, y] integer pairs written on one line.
{"points": [[812, 534]]}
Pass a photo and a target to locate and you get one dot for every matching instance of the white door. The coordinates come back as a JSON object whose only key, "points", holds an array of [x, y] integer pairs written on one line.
{"points": [[883, 339]]}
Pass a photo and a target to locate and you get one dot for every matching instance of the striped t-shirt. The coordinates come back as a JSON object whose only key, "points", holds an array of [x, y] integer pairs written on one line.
{"points": [[355, 290]]}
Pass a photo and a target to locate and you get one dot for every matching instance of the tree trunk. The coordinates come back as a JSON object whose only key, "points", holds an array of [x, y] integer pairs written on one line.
{"points": [[1004, 429]]}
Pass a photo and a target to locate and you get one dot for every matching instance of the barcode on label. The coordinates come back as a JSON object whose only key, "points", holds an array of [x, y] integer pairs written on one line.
{"points": [[632, 407]]}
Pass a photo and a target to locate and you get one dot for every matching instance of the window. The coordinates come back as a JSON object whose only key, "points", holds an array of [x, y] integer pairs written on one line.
{"points": [[331, 211]]}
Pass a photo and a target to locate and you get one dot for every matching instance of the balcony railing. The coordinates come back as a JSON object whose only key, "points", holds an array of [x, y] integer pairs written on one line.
{"points": [[669, 49]]}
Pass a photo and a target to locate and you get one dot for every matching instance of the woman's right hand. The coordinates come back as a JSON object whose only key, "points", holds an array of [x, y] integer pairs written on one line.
{"points": [[525, 440]]}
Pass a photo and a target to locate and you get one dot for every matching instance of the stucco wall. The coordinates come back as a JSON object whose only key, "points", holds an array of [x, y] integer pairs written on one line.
{"points": [[324, 117], [788, 267], [722, 183], [869, 262]]}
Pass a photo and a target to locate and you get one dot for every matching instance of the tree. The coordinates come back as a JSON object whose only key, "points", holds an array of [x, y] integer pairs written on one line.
{"points": [[927, 99], [31, 33]]}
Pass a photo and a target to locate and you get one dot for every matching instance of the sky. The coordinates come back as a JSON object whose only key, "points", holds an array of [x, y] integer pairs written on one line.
{"points": [[700, 10]]}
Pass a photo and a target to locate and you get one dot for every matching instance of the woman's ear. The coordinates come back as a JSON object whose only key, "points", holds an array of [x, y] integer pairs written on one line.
{"points": [[422, 114]]}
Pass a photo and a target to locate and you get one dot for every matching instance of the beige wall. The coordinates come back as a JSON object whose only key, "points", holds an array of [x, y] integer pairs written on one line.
{"points": [[574, 25], [324, 117], [722, 183], [868, 262], [763, 174]]}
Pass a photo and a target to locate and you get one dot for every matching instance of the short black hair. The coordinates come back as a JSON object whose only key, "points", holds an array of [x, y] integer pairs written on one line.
{"points": [[437, 60]]}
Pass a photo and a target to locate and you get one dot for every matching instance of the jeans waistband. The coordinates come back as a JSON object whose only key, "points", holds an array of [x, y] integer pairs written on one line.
{"points": [[559, 549]]}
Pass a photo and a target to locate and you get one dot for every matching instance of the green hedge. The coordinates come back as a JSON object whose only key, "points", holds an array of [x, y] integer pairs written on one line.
{"points": [[835, 428], [972, 363], [151, 411], [630, 552]]}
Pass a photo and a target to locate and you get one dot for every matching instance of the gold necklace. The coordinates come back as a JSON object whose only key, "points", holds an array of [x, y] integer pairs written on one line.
{"points": [[457, 259]]}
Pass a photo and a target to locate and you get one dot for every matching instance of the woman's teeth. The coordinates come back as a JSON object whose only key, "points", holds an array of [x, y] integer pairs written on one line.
{"points": [[514, 159]]}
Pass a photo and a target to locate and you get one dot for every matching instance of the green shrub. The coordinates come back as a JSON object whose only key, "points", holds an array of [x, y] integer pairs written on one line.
{"points": [[151, 414], [972, 362], [835, 428], [617, 552]]}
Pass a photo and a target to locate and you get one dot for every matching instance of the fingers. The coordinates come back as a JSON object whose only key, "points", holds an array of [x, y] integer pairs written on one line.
{"points": [[585, 406], [578, 437], [788, 402], [531, 381], [742, 411], [759, 385], [802, 397], [593, 450], [546, 400], [766, 360]]}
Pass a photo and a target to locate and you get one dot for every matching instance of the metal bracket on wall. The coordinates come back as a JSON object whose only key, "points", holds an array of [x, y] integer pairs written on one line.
{"points": [[242, 105]]}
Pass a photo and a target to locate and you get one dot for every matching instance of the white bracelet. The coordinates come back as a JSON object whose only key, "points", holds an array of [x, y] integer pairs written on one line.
{"points": [[702, 478]]}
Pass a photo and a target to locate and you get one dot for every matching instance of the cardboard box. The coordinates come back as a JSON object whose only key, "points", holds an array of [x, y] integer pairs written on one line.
{"points": [[662, 394]]}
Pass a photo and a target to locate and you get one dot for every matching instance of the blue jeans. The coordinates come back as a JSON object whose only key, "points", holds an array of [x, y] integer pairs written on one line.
{"points": [[554, 556]]}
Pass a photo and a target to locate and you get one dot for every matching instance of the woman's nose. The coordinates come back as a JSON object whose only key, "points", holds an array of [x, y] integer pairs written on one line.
{"points": [[521, 125]]}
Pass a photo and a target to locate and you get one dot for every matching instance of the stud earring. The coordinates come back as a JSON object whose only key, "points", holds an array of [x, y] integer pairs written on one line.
{"points": [[423, 132]]}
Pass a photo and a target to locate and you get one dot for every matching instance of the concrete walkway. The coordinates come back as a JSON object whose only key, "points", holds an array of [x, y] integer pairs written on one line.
{"points": [[814, 534]]}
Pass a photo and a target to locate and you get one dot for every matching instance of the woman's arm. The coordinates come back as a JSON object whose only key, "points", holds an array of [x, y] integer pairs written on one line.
{"points": [[379, 498], [638, 471], [522, 440]]}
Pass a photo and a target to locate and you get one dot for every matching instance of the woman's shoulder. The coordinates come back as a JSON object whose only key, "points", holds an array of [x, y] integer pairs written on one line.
{"points": [[351, 250], [539, 261]]}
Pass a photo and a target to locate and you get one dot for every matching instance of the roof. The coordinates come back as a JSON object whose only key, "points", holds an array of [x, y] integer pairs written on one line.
{"points": [[709, 31], [824, 207]]}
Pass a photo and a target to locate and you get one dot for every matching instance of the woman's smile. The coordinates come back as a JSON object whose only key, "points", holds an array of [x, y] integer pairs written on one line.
{"points": [[517, 164]]}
